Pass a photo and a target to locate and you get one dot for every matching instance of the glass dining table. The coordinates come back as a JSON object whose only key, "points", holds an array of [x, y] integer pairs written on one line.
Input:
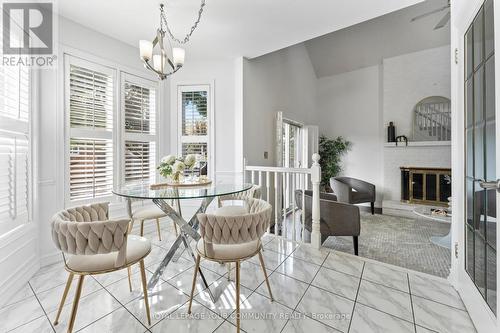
{"points": [[165, 198]]}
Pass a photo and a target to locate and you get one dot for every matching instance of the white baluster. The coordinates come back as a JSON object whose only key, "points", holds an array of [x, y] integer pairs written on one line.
{"points": [[276, 203], [268, 182], [284, 199], [294, 176], [303, 215], [315, 180]]}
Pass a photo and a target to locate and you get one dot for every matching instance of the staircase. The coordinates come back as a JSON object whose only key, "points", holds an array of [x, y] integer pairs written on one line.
{"points": [[432, 122]]}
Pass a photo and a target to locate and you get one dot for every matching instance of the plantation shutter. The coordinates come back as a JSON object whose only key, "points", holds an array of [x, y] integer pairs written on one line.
{"points": [[91, 108], [194, 110], [139, 102], [15, 183]]}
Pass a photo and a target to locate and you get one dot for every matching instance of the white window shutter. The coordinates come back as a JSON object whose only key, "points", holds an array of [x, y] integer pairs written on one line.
{"points": [[91, 106], [139, 103], [194, 111], [15, 181]]}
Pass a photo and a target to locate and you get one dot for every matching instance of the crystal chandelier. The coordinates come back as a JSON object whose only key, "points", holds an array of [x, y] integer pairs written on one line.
{"points": [[164, 64]]}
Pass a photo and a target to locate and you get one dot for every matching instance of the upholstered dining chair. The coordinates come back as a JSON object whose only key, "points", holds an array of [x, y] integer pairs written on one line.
{"points": [[253, 192], [145, 213], [93, 244], [232, 234]]}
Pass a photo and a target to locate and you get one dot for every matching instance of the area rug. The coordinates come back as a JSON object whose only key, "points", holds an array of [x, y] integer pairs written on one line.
{"points": [[399, 241]]}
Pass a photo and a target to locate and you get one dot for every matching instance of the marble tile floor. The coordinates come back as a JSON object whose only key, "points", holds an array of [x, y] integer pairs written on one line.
{"points": [[314, 291]]}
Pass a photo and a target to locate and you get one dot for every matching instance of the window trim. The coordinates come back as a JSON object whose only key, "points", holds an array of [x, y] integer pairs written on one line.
{"points": [[209, 138], [151, 84], [67, 52]]}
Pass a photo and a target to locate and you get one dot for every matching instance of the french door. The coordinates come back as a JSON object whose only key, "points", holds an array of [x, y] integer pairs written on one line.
{"points": [[475, 149]]}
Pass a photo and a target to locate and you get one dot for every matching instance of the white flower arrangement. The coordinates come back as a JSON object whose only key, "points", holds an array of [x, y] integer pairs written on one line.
{"points": [[190, 161], [173, 167]]}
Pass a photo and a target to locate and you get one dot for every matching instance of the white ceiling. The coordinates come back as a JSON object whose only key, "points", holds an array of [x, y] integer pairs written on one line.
{"points": [[367, 43], [229, 28]]}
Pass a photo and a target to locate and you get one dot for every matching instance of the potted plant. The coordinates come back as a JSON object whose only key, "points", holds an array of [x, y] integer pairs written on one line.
{"points": [[331, 152]]}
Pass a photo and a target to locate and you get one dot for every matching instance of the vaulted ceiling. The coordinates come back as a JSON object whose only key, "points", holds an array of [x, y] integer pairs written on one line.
{"points": [[367, 43], [229, 28]]}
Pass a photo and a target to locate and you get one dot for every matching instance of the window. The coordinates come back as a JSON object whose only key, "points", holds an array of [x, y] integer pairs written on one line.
{"points": [[139, 105], [194, 122], [105, 146], [90, 101], [15, 173]]}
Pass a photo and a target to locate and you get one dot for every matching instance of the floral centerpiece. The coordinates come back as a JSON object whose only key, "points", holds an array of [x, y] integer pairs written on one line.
{"points": [[172, 167]]}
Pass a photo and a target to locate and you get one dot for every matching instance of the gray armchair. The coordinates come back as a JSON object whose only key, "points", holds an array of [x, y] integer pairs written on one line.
{"points": [[336, 219], [353, 191]]}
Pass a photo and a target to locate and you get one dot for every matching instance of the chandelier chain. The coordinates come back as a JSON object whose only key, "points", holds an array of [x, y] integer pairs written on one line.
{"points": [[188, 35]]}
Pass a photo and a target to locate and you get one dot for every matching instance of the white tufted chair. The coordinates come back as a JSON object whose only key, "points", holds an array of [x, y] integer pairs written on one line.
{"points": [[233, 236], [145, 213], [253, 192], [96, 245]]}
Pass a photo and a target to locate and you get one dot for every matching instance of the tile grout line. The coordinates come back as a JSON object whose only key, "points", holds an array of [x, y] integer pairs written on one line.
{"points": [[356, 299], [305, 291], [45, 313], [121, 305], [254, 291], [411, 303]]}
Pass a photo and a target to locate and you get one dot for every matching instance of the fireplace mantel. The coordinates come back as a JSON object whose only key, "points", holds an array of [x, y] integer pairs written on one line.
{"points": [[417, 144]]}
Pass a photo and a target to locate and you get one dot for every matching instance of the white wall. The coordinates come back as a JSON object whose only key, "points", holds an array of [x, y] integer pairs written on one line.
{"points": [[359, 105], [280, 81], [349, 106], [409, 78], [221, 75]]}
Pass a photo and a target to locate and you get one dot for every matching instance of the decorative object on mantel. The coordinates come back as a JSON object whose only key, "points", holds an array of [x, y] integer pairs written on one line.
{"points": [[402, 138], [432, 119], [391, 132], [331, 152], [164, 65]]}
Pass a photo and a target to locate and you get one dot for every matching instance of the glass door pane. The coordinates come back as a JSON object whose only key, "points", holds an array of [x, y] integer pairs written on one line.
{"points": [[480, 161]]}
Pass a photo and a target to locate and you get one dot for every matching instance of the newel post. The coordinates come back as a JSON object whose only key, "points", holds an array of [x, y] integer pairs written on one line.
{"points": [[315, 180]]}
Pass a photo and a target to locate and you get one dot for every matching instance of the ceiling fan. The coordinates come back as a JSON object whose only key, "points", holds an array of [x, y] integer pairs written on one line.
{"points": [[444, 20]]}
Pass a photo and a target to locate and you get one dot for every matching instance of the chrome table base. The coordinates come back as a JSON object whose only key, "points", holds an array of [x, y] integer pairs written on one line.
{"points": [[187, 230]]}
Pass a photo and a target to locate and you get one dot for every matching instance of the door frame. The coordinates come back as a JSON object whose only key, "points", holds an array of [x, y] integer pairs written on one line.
{"points": [[462, 15]]}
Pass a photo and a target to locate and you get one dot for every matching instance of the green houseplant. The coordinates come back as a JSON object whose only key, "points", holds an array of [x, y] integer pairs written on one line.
{"points": [[331, 152]]}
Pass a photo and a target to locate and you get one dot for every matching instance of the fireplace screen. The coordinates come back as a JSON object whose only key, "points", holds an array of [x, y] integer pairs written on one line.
{"points": [[428, 186]]}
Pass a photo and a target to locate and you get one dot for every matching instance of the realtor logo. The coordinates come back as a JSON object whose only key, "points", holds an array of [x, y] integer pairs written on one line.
{"points": [[29, 32], [27, 28]]}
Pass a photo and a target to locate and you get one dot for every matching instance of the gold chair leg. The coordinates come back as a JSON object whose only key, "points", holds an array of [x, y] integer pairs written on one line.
{"points": [[130, 226], [129, 273], [145, 290], [196, 267], [228, 265], [261, 258], [76, 301], [63, 299], [142, 228], [238, 296], [158, 227]]}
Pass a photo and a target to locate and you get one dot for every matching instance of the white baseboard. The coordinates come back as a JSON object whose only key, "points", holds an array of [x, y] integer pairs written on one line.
{"points": [[51, 258], [18, 279]]}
